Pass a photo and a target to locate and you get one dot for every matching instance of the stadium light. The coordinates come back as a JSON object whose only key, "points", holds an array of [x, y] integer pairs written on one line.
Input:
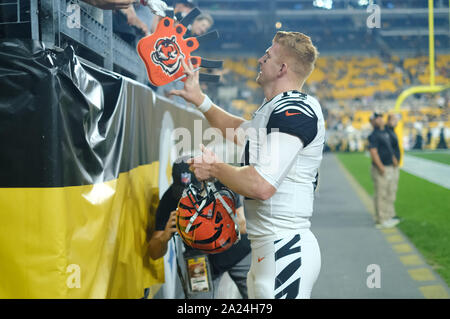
{"points": [[326, 4]]}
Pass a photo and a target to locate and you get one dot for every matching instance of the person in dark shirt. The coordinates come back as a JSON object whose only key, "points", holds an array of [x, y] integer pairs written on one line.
{"points": [[382, 171], [236, 260], [390, 128]]}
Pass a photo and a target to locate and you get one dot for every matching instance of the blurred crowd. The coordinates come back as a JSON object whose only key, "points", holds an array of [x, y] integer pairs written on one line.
{"points": [[326, 4], [137, 21], [349, 88]]}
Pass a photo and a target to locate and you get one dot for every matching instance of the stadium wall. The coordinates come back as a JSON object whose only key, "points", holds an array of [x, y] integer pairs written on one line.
{"points": [[86, 155]]}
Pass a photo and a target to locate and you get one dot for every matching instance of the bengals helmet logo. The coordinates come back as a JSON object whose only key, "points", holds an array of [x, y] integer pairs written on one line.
{"points": [[167, 55]]}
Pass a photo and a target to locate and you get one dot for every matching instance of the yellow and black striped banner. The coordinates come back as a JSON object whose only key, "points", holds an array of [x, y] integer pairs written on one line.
{"points": [[84, 154]]}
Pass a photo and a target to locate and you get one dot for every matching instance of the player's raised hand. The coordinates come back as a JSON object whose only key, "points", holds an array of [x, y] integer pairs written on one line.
{"points": [[191, 92]]}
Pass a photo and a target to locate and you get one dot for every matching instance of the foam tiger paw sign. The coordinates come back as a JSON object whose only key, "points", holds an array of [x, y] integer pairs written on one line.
{"points": [[163, 51]]}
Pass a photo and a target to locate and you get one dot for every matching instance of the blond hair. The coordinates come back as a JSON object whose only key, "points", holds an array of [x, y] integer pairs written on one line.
{"points": [[298, 47]]}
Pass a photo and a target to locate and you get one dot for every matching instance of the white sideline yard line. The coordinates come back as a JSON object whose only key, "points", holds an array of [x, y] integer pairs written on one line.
{"points": [[436, 151], [429, 282], [434, 172], [437, 173]]}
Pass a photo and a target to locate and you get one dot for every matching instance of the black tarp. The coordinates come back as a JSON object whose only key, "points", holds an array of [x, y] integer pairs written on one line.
{"points": [[63, 122]]}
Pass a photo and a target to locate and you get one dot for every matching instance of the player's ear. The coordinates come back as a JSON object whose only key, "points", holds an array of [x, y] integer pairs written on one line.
{"points": [[283, 69]]}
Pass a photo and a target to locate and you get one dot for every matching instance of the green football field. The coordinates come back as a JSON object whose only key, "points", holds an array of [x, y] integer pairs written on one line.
{"points": [[423, 207], [440, 157]]}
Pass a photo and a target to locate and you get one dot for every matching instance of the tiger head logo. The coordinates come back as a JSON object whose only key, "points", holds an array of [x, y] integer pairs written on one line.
{"points": [[167, 55], [163, 52]]}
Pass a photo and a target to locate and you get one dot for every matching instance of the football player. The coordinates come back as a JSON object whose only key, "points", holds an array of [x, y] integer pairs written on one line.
{"points": [[278, 185]]}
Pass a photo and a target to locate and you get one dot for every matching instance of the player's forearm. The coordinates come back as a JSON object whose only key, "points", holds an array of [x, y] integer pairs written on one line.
{"points": [[243, 180], [221, 119]]}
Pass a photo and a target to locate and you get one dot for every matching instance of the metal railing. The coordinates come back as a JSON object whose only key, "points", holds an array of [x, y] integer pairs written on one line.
{"points": [[56, 21]]}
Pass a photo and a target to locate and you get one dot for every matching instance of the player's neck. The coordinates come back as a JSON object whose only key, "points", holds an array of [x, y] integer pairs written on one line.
{"points": [[270, 91]]}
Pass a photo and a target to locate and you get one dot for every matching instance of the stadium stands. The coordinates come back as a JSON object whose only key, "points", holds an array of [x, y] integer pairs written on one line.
{"points": [[348, 88], [358, 65]]}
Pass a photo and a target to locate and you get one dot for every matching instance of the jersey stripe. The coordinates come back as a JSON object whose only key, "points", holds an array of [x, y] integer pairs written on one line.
{"points": [[294, 107], [284, 101], [308, 107], [280, 107]]}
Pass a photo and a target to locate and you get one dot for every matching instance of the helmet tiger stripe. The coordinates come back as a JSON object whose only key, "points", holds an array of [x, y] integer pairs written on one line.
{"points": [[207, 223]]}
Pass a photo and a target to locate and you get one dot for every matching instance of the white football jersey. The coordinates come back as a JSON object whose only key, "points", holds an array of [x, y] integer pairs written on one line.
{"points": [[289, 209]]}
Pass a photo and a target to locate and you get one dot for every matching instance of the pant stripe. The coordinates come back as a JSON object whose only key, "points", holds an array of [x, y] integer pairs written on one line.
{"points": [[287, 249], [285, 268], [287, 272], [287, 264], [290, 292]]}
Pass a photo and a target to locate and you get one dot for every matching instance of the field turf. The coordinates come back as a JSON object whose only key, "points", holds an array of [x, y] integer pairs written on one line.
{"points": [[423, 207]]}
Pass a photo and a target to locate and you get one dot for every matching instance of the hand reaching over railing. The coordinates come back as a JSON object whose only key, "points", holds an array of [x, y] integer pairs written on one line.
{"points": [[111, 4]]}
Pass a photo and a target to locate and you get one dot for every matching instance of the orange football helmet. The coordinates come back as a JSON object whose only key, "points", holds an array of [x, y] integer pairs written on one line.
{"points": [[208, 223]]}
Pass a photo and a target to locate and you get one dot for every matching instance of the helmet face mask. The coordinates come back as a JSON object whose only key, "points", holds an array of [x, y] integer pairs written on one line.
{"points": [[194, 194], [207, 222]]}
